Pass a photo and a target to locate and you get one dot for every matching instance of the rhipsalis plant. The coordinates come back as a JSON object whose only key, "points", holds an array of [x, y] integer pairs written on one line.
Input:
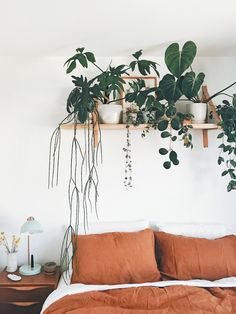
{"points": [[86, 153], [227, 112]]}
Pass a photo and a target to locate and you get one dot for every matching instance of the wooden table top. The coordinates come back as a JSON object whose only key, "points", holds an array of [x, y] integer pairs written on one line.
{"points": [[36, 280]]}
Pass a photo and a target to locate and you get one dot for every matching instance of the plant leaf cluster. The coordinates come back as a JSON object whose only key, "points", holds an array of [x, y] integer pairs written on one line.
{"points": [[227, 155]]}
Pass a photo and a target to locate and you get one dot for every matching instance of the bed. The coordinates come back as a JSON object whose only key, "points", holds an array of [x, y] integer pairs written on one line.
{"points": [[171, 288]]}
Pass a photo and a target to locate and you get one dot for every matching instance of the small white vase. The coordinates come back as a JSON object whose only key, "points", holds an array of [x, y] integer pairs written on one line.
{"points": [[109, 113], [199, 111], [11, 262]]}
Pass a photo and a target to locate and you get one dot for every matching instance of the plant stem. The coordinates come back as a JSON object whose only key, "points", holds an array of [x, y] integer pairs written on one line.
{"points": [[115, 100], [218, 93], [98, 67]]}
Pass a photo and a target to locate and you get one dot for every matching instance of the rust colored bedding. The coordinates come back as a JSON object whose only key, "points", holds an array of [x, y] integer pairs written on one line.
{"points": [[145, 300]]}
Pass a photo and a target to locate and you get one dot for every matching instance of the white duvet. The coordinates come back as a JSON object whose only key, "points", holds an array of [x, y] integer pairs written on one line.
{"points": [[64, 289]]}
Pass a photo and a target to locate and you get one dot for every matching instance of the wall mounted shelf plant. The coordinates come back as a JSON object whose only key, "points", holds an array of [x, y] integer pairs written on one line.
{"points": [[155, 108]]}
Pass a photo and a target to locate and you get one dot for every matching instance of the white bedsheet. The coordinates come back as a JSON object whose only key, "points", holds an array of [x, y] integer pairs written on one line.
{"points": [[64, 290]]}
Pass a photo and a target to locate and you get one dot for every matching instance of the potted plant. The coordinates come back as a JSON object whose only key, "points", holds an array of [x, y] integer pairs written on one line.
{"points": [[188, 84], [104, 88], [131, 114], [227, 156]]}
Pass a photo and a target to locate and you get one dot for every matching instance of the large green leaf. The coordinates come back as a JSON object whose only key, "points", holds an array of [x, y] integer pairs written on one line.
{"points": [[191, 84], [170, 88], [177, 61]]}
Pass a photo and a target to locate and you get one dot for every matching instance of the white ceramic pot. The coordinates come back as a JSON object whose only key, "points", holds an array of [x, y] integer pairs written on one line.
{"points": [[199, 110], [11, 262], [109, 113]]}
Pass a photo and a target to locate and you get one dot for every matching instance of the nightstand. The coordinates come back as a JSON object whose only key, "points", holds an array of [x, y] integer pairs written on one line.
{"points": [[27, 295]]}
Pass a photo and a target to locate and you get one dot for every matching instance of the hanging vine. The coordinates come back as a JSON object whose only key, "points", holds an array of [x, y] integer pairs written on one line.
{"points": [[128, 160]]}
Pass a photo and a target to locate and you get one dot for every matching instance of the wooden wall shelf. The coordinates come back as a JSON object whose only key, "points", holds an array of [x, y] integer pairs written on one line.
{"points": [[203, 126]]}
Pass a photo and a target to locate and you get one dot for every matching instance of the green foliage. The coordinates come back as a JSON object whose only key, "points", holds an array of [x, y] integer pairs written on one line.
{"points": [[170, 88], [178, 61], [227, 111], [144, 66], [157, 102], [109, 84], [163, 151], [82, 57], [167, 164], [191, 85]]}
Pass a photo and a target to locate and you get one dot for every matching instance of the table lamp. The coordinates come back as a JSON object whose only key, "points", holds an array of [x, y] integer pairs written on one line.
{"points": [[31, 226]]}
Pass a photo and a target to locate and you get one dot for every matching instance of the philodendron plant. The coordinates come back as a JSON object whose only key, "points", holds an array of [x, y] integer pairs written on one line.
{"points": [[227, 112], [181, 83]]}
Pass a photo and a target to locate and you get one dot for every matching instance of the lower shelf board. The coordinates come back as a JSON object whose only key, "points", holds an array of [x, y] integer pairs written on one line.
{"points": [[108, 126]]}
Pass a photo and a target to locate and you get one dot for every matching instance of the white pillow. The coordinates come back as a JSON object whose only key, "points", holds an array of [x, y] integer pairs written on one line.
{"points": [[115, 226], [198, 230]]}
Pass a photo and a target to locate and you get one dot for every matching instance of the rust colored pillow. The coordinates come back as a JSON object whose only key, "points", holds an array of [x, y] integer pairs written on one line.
{"points": [[186, 258], [115, 258]]}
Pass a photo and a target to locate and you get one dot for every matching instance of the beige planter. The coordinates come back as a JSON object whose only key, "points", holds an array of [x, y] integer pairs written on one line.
{"points": [[109, 113], [199, 111]]}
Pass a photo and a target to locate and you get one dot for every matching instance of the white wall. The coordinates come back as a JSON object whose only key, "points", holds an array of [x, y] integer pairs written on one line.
{"points": [[33, 92]]}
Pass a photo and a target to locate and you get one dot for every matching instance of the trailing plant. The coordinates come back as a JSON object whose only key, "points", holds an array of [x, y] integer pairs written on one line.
{"points": [[227, 156], [86, 154], [160, 102], [128, 160], [106, 87]]}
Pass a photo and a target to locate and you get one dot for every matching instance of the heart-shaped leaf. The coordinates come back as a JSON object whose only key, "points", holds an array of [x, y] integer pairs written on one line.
{"points": [[191, 84], [178, 61], [170, 89], [163, 151]]}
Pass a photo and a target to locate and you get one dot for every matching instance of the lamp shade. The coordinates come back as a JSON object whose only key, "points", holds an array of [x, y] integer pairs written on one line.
{"points": [[31, 226]]}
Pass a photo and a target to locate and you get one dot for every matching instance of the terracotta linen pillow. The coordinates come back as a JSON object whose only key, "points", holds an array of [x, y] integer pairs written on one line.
{"points": [[183, 258], [115, 258]]}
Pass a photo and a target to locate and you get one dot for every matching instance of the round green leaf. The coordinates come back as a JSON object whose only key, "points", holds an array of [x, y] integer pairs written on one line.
{"points": [[175, 123], [173, 156], [163, 151], [167, 165], [162, 125], [176, 162], [165, 134], [171, 111], [160, 112]]}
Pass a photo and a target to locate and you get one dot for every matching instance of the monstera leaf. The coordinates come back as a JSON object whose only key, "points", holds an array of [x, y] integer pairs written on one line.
{"points": [[177, 61], [170, 88], [191, 84]]}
